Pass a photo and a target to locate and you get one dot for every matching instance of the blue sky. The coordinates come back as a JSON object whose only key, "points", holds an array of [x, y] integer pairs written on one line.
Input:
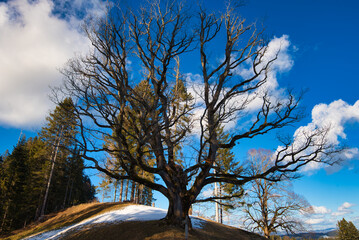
{"points": [[322, 39]]}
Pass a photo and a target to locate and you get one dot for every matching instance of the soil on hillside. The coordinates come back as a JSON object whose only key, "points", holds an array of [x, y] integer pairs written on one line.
{"points": [[141, 230], [158, 230]]}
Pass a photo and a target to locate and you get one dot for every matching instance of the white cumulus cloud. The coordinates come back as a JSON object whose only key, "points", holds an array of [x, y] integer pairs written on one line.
{"points": [[321, 210], [345, 206], [332, 116], [314, 221], [35, 41], [327, 127], [323, 217]]}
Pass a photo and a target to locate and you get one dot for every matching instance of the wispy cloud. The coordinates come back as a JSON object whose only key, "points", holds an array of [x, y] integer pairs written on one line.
{"points": [[36, 40], [279, 47], [345, 206], [323, 217], [344, 209], [313, 221], [207, 193]]}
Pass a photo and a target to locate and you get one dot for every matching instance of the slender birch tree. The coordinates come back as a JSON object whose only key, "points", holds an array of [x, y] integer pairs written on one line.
{"points": [[58, 134]]}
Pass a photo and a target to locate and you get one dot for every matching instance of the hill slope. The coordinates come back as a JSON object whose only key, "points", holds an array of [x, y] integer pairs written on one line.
{"points": [[123, 221]]}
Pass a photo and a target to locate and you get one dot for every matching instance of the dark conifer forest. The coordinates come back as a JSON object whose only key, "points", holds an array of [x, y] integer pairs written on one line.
{"points": [[43, 174]]}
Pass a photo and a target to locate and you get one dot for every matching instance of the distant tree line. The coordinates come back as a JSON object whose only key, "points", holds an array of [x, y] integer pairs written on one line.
{"points": [[345, 231], [124, 191], [43, 174]]}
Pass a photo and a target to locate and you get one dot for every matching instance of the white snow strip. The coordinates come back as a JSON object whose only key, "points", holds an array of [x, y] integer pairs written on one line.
{"points": [[197, 222], [129, 213], [45, 235]]}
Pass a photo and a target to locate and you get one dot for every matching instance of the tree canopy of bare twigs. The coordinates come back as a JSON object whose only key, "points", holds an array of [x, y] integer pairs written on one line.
{"points": [[130, 90], [271, 206]]}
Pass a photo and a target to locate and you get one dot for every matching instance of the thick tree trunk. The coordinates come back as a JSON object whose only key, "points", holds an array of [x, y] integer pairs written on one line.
{"points": [[178, 211], [266, 232], [180, 199]]}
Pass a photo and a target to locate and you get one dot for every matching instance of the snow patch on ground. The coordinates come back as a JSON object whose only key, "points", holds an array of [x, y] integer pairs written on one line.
{"points": [[46, 235], [197, 222], [129, 213]]}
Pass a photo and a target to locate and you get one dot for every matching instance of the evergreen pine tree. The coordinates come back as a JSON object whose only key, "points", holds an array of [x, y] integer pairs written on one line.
{"points": [[25, 173], [37, 165], [117, 160], [347, 230], [227, 194], [59, 134], [103, 189], [353, 231], [14, 180], [225, 163]]}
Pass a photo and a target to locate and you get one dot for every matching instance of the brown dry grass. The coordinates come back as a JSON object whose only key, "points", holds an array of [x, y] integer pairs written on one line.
{"points": [[65, 218], [158, 230], [141, 230]]}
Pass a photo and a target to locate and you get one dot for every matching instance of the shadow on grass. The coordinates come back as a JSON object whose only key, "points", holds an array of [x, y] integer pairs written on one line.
{"points": [[130, 230], [158, 230]]}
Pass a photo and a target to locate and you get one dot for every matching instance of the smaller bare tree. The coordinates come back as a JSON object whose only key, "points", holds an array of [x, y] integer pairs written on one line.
{"points": [[271, 206]]}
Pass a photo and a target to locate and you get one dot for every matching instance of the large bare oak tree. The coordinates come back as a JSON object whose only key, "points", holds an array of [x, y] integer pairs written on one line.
{"points": [[130, 91]]}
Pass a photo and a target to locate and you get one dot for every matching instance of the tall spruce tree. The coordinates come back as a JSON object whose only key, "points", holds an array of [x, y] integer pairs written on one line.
{"points": [[118, 162], [226, 195], [14, 180], [21, 182], [59, 133], [2, 200], [38, 162], [347, 230]]}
